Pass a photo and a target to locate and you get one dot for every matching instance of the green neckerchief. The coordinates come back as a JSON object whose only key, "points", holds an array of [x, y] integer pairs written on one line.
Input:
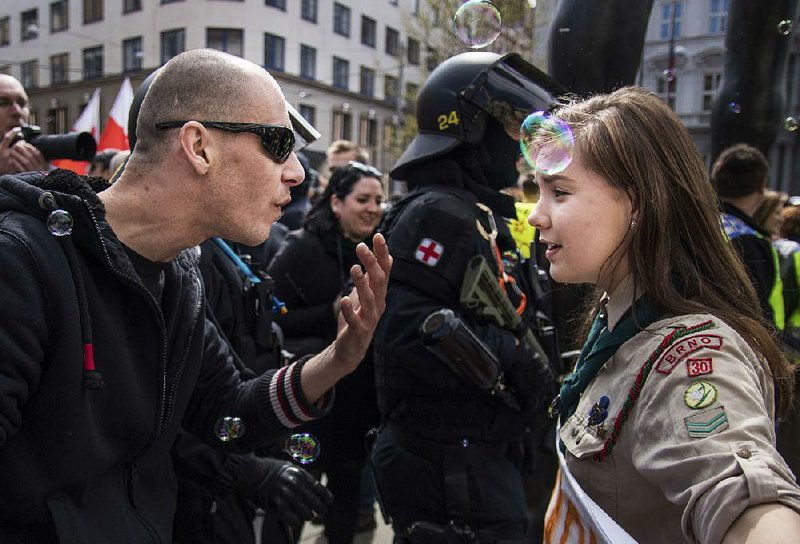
{"points": [[599, 348]]}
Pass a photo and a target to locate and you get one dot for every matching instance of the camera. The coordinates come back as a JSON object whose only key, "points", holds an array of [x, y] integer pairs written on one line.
{"points": [[76, 146]]}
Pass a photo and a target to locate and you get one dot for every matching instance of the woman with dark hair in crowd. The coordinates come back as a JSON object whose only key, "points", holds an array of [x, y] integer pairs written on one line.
{"points": [[311, 272]]}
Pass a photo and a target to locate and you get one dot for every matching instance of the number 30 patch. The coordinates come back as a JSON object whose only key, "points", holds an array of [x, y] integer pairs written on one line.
{"points": [[698, 367]]}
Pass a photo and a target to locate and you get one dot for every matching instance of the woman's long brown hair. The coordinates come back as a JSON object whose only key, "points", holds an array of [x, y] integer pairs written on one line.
{"points": [[678, 254]]}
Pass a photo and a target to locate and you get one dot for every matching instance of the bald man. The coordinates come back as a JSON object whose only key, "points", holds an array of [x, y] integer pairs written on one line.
{"points": [[14, 110], [106, 347]]}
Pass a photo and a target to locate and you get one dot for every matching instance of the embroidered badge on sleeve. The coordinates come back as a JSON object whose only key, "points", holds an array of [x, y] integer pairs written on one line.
{"points": [[700, 394], [706, 423], [699, 367], [429, 252], [679, 351]]}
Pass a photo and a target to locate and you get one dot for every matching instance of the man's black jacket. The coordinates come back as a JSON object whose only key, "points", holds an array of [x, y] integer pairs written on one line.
{"points": [[80, 463]]}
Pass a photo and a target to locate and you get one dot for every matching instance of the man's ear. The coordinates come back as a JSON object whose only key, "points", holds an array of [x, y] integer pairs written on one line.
{"points": [[195, 141]]}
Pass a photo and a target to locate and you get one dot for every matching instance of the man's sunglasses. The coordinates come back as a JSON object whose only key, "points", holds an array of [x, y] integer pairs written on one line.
{"points": [[278, 141]]}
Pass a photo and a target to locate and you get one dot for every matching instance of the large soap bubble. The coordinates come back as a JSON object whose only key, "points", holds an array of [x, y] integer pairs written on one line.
{"points": [[546, 143], [477, 23]]}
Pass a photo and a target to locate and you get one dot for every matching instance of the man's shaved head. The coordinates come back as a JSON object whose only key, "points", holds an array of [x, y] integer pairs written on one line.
{"points": [[202, 84]]}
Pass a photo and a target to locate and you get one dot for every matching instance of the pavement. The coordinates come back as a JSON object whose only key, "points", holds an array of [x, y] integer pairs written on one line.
{"points": [[312, 534]]}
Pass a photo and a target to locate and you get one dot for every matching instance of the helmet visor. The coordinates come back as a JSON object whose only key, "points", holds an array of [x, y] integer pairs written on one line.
{"points": [[511, 89]]}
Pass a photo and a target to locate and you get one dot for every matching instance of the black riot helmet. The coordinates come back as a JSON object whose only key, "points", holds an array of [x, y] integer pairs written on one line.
{"points": [[464, 93]]}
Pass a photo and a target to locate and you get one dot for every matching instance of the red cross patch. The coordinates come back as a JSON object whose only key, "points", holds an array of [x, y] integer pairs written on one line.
{"points": [[429, 252]]}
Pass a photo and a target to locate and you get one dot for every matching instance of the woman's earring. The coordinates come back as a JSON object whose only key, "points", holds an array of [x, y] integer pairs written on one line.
{"points": [[633, 223]]}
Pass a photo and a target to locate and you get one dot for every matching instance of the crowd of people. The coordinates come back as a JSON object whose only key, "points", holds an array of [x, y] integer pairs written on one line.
{"points": [[171, 319]]}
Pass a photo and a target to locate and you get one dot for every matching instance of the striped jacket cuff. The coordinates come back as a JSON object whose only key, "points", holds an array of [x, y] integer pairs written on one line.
{"points": [[285, 396]]}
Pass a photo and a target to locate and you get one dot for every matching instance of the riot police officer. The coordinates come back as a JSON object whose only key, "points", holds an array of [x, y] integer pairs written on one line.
{"points": [[453, 412]]}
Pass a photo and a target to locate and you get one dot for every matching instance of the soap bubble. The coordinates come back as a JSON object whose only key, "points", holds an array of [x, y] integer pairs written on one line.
{"points": [[477, 23], [229, 428], [669, 75], [551, 153], [790, 124], [785, 27], [302, 447], [59, 223], [734, 107]]}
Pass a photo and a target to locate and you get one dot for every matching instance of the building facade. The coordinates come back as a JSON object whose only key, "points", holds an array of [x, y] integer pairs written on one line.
{"points": [[699, 53], [342, 63]]}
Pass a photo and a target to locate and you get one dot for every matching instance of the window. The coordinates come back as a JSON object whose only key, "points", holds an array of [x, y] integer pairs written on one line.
{"points": [[392, 41], [29, 74], [412, 90], [129, 6], [413, 52], [58, 69], [92, 11], [390, 88], [308, 10], [280, 4], [710, 86], [667, 19], [432, 59], [341, 19], [309, 113], [342, 126], [308, 62], [666, 90], [132, 55], [228, 40], [170, 1], [367, 81], [341, 73], [29, 23], [389, 134], [93, 62], [5, 31], [274, 52], [393, 2], [173, 42], [59, 16], [436, 15], [416, 8], [57, 120], [367, 130], [368, 31], [717, 16], [790, 77]]}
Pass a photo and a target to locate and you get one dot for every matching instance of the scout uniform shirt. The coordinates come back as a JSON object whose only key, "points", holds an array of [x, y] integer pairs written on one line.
{"points": [[674, 438]]}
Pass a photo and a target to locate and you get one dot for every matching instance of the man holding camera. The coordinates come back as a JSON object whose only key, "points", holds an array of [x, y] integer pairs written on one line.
{"points": [[20, 156]]}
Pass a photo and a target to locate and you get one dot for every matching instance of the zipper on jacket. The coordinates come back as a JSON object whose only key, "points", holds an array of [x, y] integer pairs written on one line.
{"points": [[170, 399], [131, 474], [161, 323]]}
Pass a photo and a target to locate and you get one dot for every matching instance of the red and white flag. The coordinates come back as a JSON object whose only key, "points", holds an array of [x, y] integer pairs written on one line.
{"points": [[88, 121], [115, 133]]}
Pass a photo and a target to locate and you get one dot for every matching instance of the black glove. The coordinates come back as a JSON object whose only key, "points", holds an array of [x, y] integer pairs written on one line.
{"points": [[293, 494], [532, 381], [279, 486]]}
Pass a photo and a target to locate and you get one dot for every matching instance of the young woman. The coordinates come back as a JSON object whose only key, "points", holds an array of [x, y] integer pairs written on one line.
{"points": [[311, 272], [668, 420]]}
